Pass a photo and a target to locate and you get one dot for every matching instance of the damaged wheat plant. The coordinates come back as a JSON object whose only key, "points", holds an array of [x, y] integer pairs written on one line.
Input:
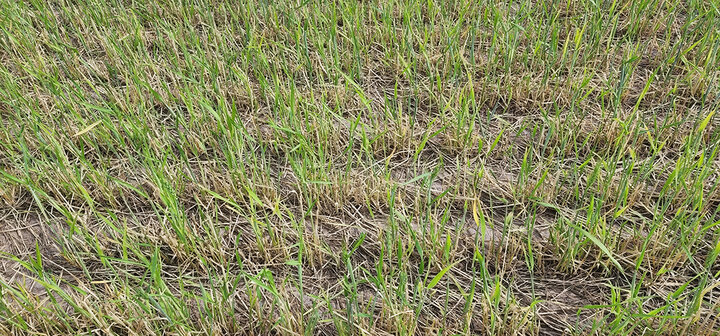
{"points": [[347, 167]]}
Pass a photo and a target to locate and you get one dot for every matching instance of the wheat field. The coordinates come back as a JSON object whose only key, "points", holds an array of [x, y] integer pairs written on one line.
{"points": [[359, 167]]}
